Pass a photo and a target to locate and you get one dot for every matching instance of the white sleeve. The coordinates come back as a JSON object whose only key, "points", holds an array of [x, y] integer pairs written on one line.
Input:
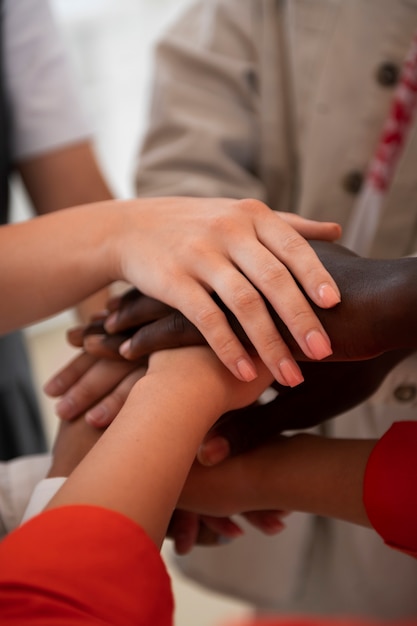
{"points": [[42, 494], [18, 479], [45, 109]]}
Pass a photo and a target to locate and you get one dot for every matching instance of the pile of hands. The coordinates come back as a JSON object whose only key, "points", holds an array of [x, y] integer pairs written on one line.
{"points": [[369, 336]]}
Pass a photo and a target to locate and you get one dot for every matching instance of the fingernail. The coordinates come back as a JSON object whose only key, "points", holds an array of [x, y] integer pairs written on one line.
{"points": [[329, 295], [214, 451], [318, 344], [54, 387], [65, 408], [97, 416], [246, 370], [290, 372], [124, 348], [111, 321], [93, 341]]}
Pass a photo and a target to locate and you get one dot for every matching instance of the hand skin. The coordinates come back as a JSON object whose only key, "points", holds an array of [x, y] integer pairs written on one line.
{"points": [[227, 246], [76, 438], [329, 389], [159, 429], [300, 473], [73, 441], [376, 314], [188, 529], [61, 178]]}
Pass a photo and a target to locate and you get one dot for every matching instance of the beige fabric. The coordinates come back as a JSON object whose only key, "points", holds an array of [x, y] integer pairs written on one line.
{"points": [[279, 100]]}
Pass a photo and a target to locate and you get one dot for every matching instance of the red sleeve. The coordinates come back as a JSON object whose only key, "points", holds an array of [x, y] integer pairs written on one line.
{"points": [[390, 487], [82, 565]]}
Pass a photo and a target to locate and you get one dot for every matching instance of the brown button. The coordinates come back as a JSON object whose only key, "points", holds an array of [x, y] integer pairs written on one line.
{"points": [[405, 393], [352, 182], [387, 74]]}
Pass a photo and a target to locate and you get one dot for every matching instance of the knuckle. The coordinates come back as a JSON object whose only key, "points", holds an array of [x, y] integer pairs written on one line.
{"points": [[273, 274], [293, 243], [272, 343], [252, 205], [300, 317], [246, 298], [209, 317]]}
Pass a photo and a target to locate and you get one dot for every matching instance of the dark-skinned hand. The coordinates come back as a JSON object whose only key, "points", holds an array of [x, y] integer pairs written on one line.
{"points": [[377, 313], [329, 389]]}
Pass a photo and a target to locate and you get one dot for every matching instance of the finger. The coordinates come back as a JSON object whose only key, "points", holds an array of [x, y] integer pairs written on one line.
{"points": [[115, 302], [249, 307], [103, 413], [94, 385], [200, 308], [135, 311], [312, 229], [76, 335], [172, 331], [282, 291], [292, 248], [105, 346], [223, 527], [246, 303], [68, 375], [268, 522], [183, 529], [237, 432]]}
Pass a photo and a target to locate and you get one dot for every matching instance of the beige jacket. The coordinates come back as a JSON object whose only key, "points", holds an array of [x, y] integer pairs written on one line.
{"points": [[285, 101]]}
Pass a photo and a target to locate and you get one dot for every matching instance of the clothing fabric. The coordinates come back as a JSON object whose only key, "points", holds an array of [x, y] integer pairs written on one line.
{"points": [[18, 479], [285, 101], [4, 117], [39, 112], [389, 487], [86, 564], [82, 565], [45, 107]]}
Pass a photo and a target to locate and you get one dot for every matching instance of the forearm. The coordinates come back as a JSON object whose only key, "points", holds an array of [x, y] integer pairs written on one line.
{"points": [[301, 473], [71, 259], [139, 466], [327, 478], [66, 177]]}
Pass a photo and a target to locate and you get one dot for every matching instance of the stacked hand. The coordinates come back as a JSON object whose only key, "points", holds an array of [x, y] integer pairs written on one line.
{"points": [[371, 330]]}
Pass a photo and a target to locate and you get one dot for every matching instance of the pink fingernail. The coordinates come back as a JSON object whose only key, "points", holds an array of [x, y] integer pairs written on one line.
{"points": [[291, 372], [319, 344], [124, 348], [246, 370], [329, 296], [111, 321]]}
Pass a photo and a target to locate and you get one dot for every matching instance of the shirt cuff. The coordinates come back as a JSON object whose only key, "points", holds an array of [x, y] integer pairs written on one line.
{"points": [[42, 494]]}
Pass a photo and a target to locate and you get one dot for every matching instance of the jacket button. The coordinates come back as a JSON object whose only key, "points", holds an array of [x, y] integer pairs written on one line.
{"points": [[352, 182], [387, 74], [405, 393]]}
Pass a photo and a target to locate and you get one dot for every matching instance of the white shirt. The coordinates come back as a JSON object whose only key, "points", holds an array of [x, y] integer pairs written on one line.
{"points": [[45, 109]]}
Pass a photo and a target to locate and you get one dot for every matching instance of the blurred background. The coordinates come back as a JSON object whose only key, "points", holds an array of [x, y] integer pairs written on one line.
{"points": [[110, 45]]}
